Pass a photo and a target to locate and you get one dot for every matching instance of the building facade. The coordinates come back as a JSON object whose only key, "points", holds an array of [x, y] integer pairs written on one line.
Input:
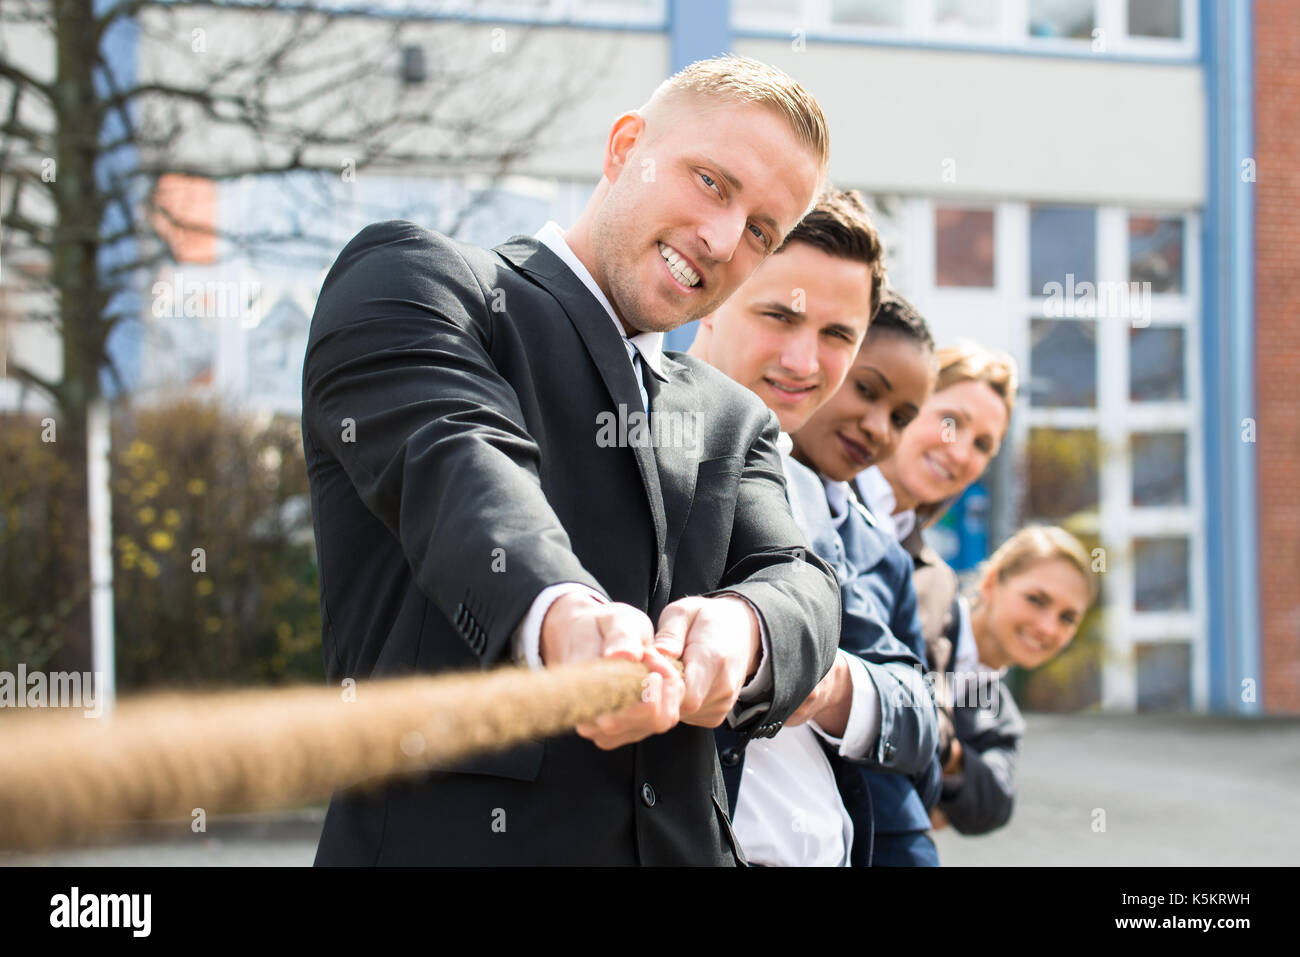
{"points": [[1076, 182]]}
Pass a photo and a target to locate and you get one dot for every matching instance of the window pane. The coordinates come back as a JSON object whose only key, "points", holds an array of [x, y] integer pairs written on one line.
{"points": [[1155, 252], [963, 247], [873, 13], [1062, 243], [966, 14], [740, 9], [1063, 363], [1164, 676], [1160, 574], [517, 8], [1155, 364], [1155, 18], [1160, 468], [636, 11], [1063, 467], [1062, 18]]}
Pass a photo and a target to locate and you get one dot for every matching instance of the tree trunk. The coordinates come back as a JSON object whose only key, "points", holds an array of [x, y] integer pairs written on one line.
{"points": [[81, 300]]}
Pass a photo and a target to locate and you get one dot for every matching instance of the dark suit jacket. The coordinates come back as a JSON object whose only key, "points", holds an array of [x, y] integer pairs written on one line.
{"points": [[986, 720], [936, 603], [451, 398], [988, 724], [907, 719]]}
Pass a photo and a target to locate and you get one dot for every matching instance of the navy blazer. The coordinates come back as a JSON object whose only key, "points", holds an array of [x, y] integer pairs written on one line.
{"points": [[908, 732], [989, 726], [899, 802]]}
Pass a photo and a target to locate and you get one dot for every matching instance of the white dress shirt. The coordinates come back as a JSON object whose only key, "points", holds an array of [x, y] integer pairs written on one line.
{"points": [[788, 810], [648, 348], [879, 496]]}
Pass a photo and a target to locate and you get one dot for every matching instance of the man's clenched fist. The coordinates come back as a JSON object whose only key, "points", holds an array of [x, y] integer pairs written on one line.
{"points": [[578, 627], [718, 642]]}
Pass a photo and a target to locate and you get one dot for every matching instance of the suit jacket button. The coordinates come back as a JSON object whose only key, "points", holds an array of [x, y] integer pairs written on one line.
{"points": [[730, 757], [648, 794], [889, 751]]}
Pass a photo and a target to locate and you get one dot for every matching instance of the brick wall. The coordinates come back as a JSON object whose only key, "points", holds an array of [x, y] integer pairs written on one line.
{"points": [[1277, 344]]}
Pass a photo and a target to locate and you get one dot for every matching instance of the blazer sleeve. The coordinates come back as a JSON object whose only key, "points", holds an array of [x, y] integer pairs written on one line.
{"points": [[908, 727], [795, 592], [399, 388], [906, 619], [982, 799], [906, 737]]}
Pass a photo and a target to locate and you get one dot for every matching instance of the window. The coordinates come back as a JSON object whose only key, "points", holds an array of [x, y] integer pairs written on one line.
{"points": [[1159, 468], [1156, 364], [1162, 19], [1160, 574], [615, 13], [1087, 28], [1063, 363], [767, 8], [966, 15], [1062, 244], [1155, 252], [1071, 19], [541, 9], [867, 13], [963, 247], [1103, 441], [1162, 671], [1063, 474]]}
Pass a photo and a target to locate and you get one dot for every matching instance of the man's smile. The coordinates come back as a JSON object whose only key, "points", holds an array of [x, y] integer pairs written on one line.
{"points": [[787, 390], [679, 267]]}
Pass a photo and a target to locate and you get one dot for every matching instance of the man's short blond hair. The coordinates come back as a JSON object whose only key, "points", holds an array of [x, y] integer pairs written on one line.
{"points": [[738, 79]]}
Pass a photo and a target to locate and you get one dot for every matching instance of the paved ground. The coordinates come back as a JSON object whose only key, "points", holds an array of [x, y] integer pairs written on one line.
{"points": [[1175, 790]]}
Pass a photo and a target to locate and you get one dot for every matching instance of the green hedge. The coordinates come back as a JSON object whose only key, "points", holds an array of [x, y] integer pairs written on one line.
{"points": [[184, 476]]}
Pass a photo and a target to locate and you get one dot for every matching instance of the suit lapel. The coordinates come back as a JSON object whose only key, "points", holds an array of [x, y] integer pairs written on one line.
{"points": [[675, 407], [605, 346]]}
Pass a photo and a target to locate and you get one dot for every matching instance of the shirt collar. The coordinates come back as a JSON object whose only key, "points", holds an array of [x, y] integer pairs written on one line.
{"points": [[966, 655], [880, 497], [837, 498], [649, 344]]}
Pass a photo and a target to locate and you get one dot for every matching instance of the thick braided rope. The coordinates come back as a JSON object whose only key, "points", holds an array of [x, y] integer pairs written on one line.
{"points": [[64, 776]]}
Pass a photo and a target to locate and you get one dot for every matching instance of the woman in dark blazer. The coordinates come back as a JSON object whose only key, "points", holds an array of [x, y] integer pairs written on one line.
{"points": [[1033, 593]]}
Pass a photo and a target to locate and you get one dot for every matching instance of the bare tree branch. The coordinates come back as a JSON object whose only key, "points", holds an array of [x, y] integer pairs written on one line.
{"points": [[24, 374]]}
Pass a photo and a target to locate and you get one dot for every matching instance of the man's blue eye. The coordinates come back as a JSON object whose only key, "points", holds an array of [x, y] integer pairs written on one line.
{"points": [[759, 233], [708, 181]]}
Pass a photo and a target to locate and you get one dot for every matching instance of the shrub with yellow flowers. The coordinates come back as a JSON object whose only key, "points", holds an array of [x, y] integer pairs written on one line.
{"points": [[214, 572]]}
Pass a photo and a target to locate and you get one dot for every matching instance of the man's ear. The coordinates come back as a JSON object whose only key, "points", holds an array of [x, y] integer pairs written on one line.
{"points": [[703, 341], [624, 135]]}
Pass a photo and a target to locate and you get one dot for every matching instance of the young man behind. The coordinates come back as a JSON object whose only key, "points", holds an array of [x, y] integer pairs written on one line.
{"points": [[790, 334]]}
